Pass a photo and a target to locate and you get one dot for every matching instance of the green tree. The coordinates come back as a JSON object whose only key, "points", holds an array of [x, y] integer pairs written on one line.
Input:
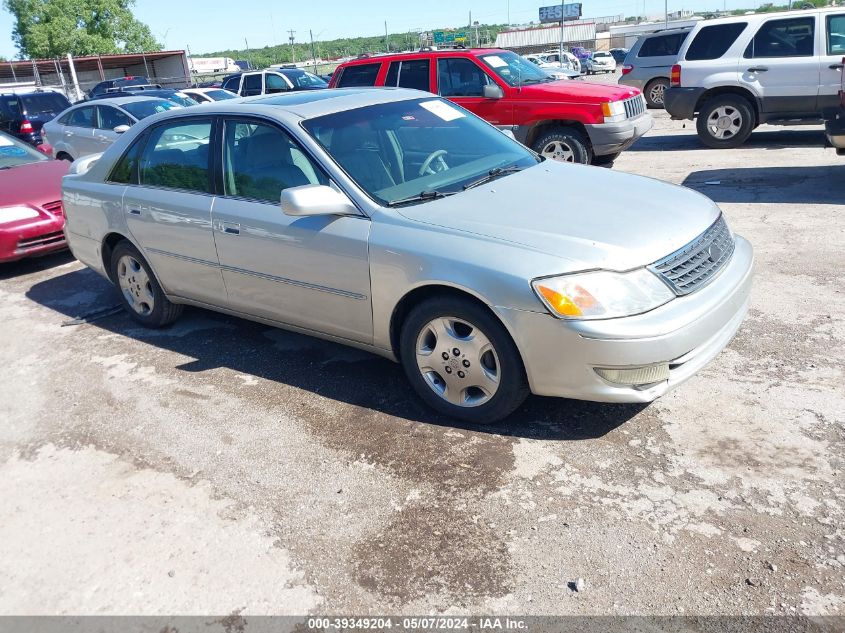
{"points": [[47, 28]]}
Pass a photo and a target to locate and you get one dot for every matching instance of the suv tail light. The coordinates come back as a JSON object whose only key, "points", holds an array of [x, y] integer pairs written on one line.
{"points": [[675, 76], [26, 127], [626, 69]]}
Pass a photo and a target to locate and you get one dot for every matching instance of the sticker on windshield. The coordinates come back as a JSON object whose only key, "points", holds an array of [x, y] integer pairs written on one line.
{"points": [[495, 61], [10, 150], [443, 110]]}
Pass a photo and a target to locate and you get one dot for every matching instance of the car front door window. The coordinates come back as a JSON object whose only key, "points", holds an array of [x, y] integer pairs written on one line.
{"points": [[460, 77], [275, 83]]}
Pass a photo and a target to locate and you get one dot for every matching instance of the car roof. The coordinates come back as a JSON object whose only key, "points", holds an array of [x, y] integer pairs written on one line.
{"points": [[759, 17], [119, 100], [447, 52], [313, 103]]}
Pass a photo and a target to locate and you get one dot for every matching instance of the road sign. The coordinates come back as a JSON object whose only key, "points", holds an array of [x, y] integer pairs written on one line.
{"points": [[450, 37], [558, 13]]}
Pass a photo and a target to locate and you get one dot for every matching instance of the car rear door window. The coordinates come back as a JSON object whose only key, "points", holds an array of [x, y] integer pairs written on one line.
{"points": [[712, 42], [662, 45], [783, 38], [460, 77], [360, 75], [125, 172], [413, 73], [111, 117], [176, 156], [252, 85], [836, 34], [84, 117]]}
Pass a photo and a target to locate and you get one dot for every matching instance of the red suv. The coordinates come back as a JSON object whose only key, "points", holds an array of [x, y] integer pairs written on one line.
{"points": [[573, 121]]}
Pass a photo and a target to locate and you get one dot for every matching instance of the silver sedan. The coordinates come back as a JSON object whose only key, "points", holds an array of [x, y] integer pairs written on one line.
{"points": [[397, 222]]}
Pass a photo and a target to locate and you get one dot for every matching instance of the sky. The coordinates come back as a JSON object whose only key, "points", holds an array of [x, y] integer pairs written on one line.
{"points": [[213, 25]]}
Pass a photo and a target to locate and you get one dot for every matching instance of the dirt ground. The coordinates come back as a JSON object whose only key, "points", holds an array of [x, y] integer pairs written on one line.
{"points": [[221, 465]]}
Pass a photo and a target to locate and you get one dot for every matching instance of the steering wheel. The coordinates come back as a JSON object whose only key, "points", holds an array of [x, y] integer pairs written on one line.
{"points": [[436, 154]]}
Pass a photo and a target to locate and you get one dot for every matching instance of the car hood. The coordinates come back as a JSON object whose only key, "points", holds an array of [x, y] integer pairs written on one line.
{"points": [[583, 91], [589, 217], [34, 184]]}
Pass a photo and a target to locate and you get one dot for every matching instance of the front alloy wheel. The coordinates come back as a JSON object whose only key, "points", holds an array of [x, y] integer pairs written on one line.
{"points": [[725, 121]]}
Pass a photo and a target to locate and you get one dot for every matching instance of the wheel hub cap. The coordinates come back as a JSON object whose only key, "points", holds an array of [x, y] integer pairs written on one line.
{"points": [[135, 285], [559, 151], [458, 362]]}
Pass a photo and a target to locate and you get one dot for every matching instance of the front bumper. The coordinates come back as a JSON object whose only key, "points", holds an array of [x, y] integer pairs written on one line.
{"points": [[611, 138], [561, 356], [680, 102], [31, 240]]}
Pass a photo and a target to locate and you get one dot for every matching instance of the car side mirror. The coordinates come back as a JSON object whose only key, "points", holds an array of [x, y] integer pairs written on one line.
{"points": [[308, 200], [493, 91], [120, 129]]}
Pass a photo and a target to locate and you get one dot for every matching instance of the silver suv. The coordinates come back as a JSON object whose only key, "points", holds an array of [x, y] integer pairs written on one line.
{"points": [[735, 73], [649, 62]]}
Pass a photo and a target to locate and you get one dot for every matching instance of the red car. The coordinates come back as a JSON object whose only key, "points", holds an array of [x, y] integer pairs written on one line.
{"points": [[573, 121], [31, 216]]}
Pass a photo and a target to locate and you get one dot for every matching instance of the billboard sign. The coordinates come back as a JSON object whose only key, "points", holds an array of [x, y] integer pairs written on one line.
{"points": [[560, 12], [450, 37]]}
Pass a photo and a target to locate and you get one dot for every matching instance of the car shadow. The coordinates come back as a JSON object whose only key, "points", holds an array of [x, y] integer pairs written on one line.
{"points": [[768, 138], [820, 184], [34, 264], [212, 340]]}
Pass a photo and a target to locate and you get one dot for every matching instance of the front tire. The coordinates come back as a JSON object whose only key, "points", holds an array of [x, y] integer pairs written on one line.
{"points": [[725, 122], [140, 292], [566, 145], [461, 361]]}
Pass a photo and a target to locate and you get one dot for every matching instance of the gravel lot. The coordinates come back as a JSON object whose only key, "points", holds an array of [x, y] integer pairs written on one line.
{"points": [[221, 465]]}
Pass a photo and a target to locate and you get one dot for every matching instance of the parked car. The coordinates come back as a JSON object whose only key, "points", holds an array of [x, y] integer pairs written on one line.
{"points": [[779, 68], [90, 127], [600, 62], [272, 81], [178, 97], [649, 63], [835, 121], [619, 55], [562, 120], [580, 52], [558, 70], [31, 216], [567, 60], [209, 95], [413, 229], [110, 85], [23, 114]]}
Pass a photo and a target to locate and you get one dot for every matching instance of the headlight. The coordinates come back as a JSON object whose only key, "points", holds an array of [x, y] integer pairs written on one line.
{"points": [[13, 214], [602, 294], [613, 111]]}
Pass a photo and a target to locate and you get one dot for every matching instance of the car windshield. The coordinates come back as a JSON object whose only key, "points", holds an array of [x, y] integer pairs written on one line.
{"points": [[220, 95], [515, 70], [180, 98], [302, 79], [397, 151], [148, 107], [13, 153]]}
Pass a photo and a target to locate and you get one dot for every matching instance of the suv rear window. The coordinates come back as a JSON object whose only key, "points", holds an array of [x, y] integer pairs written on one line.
{"points": [[712, 42], [662, 45], [361, 75], [47, 103], [412, 73]]}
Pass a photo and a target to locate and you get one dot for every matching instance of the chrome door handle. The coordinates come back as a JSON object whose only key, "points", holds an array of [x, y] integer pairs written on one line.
{"points": [[135, 211], [836, 66], [758, 69], [230, 228]]}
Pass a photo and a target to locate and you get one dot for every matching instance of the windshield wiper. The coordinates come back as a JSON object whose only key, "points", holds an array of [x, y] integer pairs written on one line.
{"points": [[421, 196], [492, 175]]}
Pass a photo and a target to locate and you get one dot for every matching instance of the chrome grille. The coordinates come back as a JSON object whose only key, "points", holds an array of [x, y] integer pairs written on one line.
{"points": [[691, 267], [634, 106]]}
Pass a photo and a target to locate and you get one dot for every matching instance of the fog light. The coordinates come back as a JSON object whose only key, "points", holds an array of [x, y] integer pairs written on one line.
{"points": [[634, 376]]}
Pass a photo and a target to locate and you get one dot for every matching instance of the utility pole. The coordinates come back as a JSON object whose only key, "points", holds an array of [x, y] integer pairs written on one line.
{"points": [[562, 19], [386, 37], [666, 14], [292, 49], [313, 54]]}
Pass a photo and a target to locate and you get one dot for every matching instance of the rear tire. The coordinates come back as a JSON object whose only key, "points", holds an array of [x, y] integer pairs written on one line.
{"points": [[64, 156], [140, 292], [725, 121], [564, 144], [655, 92], [461, 360]]}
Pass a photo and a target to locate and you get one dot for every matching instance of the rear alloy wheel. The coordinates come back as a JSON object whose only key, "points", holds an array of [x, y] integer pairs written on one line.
{"points": [[461, 360], [725, 122], [140, 292], [655, 92], [565, 145]]}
